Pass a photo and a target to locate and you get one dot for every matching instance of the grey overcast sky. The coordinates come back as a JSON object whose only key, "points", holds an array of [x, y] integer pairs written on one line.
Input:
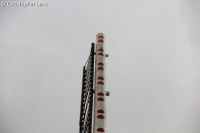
{"points": [[152, 73]]}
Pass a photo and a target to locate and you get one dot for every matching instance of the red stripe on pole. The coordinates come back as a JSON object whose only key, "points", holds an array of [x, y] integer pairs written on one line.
{"points": [[100, 50], [100, 83], [100, 99], [100, 68], [100, 40], [100, 94], [100, 78], [100, 64], [100, 111], [100, 130], [101, 54], [100, 36], [100, 116]]}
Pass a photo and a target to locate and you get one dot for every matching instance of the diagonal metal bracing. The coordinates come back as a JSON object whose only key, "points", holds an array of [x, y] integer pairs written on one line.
{"points": [[87, 94]]}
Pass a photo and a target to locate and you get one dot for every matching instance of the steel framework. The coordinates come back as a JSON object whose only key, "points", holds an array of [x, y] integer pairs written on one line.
{"points": [[87, 94]]}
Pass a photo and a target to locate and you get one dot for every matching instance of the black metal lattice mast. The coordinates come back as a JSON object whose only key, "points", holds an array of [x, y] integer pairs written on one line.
{"points": [[85, 124]]}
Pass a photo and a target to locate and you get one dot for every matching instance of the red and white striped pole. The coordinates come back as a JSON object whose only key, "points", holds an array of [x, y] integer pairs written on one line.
{"points": [[100, 93]]}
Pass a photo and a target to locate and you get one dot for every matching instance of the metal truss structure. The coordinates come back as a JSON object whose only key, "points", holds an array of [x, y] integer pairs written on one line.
{"points": [[85, 124]]}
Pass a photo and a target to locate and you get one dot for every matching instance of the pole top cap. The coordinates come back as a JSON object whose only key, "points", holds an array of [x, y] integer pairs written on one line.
{"points": [[100, 35]]}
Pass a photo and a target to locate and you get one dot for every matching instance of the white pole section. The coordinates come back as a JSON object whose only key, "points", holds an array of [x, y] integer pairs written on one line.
{"points": [[100, 93]]}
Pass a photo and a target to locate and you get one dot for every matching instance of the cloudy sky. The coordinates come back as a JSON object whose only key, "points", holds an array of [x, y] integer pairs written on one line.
{"points": [[152, 73]]}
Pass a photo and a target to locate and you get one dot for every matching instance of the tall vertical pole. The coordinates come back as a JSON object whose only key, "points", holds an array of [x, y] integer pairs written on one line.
{"points": [[99, 94]]}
